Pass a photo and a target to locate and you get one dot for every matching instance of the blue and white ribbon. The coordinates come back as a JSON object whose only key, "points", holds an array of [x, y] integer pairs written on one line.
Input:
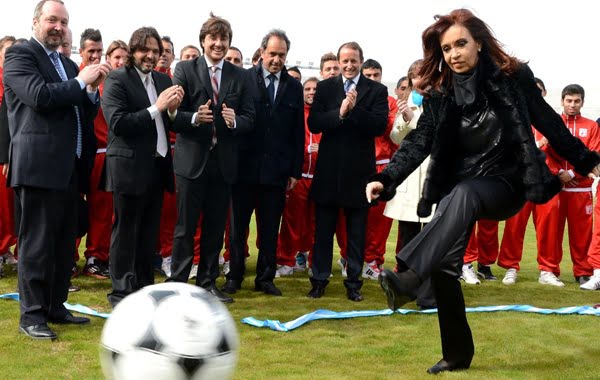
{"points": [[328, 314], [82, 309]]}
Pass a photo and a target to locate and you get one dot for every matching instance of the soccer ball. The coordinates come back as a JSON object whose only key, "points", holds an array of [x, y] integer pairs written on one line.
{"points": [[172, 331]]}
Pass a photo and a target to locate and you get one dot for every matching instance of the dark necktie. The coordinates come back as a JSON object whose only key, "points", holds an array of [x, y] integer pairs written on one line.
{"points": [[61, 72], [271, 88]]}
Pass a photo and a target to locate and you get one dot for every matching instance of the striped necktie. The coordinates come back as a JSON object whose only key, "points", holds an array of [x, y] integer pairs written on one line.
{"points": [[61, 72], [215, 84]]}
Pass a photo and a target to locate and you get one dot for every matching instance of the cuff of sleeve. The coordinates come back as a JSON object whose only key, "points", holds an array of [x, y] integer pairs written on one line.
{"points": [[173, 115], [154, 112], [193, 121], [81, 82]]}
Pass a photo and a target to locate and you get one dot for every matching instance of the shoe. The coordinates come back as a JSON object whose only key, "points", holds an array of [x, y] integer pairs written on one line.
{"points": [[343, 266], [548, 278], [231, 286], [316, 291], [73, 288], [212, 289], [284, 270], [225, 268], [443, 365], [301, 262], [371, 270], [69, 319], [267, 287], [485, 272], [10, 259], [510, 277], [592, 284], [39, 332], [96, 268], [193, 272], [354, 295], [165, 266], [582, 279], [74, 271], [469, 276], [400, 288], [221, 260]]}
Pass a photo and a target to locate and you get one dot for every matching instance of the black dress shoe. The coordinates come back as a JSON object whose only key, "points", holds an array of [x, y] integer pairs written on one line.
{"points": [[69, 319], [443, 365], [354, 295], [267, 287], [39, 332], [212, 289], [317, 291], [400, 288], [231, 286]]}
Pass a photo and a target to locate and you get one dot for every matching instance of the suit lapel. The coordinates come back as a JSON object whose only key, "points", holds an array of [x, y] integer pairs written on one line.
{"points": [[362, 88], [225, 81], [137, 83], [340, 93], [204, 78]]}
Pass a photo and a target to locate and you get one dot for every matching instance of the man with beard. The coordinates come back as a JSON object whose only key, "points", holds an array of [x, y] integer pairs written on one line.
{"points": [[48, 102], [138, 166]]}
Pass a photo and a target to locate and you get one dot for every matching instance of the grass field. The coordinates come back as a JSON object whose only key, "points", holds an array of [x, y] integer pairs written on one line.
{"points": [[509, 345]]}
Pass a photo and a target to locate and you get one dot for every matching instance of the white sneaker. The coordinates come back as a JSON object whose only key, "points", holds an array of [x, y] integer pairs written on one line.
{"points": [[371, 271], [166, 266], [510, 277], [284, 270], [221, 260], [548, 278], [592, 284], [10, 259], [469, 276], [343, 264], [225, 268], [193, 272]]}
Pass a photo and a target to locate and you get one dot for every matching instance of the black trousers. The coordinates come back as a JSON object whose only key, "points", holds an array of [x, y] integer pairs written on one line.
{"points": [[208, 195], [407, 231], [134, 238], [268, 201], [47, 226], [325, 224], [437, 252]]}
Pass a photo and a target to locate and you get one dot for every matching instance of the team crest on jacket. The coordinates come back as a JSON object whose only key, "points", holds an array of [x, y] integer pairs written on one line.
{"points": [[583, 132]]}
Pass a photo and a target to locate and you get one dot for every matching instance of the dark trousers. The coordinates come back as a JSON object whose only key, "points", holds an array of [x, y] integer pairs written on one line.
{"points": [[134, 238], [325, 224], [208, 195], [47, 226], [407, 231], [268, 201], [437, 252]]}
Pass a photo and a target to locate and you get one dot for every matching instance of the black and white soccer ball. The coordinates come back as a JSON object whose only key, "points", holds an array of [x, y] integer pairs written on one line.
{"points": [[172, 331]]}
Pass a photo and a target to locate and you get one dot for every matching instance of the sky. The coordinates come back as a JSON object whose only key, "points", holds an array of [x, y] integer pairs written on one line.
{"points": [[557, 38]]}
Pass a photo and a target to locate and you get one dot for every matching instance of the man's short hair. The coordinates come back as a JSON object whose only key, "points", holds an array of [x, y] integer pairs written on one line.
{"points": [[90, 35], [256, 55], [400, 81], [354, 46], [37, 12], [186, 47], [371, 64], [6, 39], [326, 58], [167, 39], [238, 50], [216, 26], [275, 33], [540, 83], [311, 79], [573, 89], [295, 69]]}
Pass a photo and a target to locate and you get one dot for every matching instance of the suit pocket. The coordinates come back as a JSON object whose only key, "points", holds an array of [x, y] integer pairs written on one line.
{"points": [[120, 152]]}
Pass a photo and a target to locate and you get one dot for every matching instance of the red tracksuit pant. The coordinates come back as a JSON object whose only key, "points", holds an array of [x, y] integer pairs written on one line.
{"points": [[483, 243], [378, 230], [594, 250], [7, 216], [576, 209], [100, 210]]}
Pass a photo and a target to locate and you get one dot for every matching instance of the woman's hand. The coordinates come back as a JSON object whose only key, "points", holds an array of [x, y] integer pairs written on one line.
{"points": [[373, 190]]}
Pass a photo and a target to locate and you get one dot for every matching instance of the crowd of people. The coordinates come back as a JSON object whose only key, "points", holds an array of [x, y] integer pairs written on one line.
{"points": [[161, 168]]}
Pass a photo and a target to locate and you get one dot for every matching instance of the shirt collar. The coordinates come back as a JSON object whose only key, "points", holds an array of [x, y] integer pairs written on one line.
{"points": [[142, 75], [355, 79], [209, 64], [266, 74], [48, 52]]}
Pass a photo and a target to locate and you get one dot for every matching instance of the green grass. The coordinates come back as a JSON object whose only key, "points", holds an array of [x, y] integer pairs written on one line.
{"points": [[509, 345]]}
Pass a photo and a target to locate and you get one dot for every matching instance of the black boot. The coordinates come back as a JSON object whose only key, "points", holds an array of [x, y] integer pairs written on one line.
{"points": [[400, 288]]}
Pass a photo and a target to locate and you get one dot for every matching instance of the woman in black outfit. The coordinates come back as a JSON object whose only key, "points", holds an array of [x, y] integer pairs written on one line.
{"points": [[476, 124]]}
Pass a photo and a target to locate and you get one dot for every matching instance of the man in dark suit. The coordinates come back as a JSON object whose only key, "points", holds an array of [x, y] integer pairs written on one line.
{"points": [[138, 166], [350, 111], [48, 103], [270, 161], [217, 108]]}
